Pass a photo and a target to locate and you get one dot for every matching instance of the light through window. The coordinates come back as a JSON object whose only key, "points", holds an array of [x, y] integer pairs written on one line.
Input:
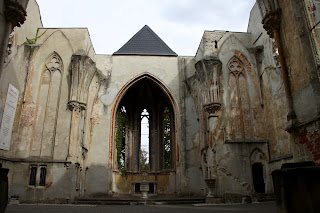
{"points": [[144, 155]]}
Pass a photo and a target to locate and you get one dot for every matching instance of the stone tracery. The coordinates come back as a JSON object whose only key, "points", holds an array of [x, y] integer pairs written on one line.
{"points": [[239, 100], [48, 104], [146, 96]]}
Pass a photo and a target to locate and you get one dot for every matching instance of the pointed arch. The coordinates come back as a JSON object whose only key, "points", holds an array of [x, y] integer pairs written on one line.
{"points": [[48, 106], [257, 155], [258, 163], [241, 122], [152, 85]]}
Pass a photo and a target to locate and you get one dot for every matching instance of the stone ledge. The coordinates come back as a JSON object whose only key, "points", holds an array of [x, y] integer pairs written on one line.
{"points": [[245, 141], [33, 160]]}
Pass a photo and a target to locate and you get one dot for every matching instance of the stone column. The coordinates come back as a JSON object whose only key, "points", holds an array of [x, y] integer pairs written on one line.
{"points": [[15, 15], [75, 149], [82, 71], [271, 23], [208, 74]]}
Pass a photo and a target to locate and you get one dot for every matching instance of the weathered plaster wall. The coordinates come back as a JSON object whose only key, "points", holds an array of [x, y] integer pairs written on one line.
{"points": [[78, 39], [58, 188], [272, 89], [206, 144], [300, 61], [190, 156], [233, 159], [126, 69], [224, 156], [15, 72], [304, 81], [27, 63], [98, 179]]}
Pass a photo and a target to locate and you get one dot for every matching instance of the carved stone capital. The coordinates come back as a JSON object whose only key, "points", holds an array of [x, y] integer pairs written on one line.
{"points": [[210, 62], [82, 71], [212, 107], [76, 106], [271, 21], [206, 67], [14, 13]]}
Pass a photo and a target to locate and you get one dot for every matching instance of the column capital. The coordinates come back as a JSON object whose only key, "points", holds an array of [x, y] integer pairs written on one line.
{"points": [[14, 13], [271, 21], [76, 106], [212, 107]]}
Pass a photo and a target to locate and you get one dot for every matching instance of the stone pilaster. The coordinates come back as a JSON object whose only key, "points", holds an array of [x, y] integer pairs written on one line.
{"points": [[75, 148], [82, 71], [208, 75]]}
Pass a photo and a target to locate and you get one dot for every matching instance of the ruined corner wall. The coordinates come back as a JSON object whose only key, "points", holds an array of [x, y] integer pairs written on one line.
{"points": [[303, 68], [231, 135], [272, 92], [192, 181], [52, 132]]}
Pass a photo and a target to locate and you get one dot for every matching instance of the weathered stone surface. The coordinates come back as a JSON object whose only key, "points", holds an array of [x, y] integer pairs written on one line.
{"points": [[228, 111], [297, 188]]}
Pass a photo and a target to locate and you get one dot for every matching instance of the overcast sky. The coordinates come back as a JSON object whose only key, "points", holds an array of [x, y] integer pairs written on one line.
{"points": [[180, 23]]}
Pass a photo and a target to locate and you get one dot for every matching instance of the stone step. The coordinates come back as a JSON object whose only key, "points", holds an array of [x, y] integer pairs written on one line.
{"points": [[139, 201], [263, 197]]}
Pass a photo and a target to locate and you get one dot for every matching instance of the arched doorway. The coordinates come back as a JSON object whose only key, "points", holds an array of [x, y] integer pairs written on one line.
{"points": [[258, 179], [144, 128]]}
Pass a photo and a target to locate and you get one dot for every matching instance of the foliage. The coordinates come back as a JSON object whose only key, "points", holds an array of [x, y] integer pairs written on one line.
{"points": [[144, 160], [124, 173], [120, 138], [34, 40], [167, 138], [270, 67]]}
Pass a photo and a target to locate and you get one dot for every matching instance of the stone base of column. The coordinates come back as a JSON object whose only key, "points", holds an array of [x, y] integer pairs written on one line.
{"points": [[213, 199]]}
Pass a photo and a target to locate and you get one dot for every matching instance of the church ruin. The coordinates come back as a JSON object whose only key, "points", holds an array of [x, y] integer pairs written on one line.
{"points": [[88, 125]]}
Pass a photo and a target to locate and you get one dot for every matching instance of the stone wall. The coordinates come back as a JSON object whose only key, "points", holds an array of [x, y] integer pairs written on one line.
{"points": [[303, 76], [229, 105]]}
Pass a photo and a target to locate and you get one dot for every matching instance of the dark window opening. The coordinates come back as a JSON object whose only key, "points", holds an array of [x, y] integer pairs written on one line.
{"points": [[257, 176], [167, 139], [151, 188], [121, 137], [137, 188], [43, 173], [33, 176], [78, 176]]}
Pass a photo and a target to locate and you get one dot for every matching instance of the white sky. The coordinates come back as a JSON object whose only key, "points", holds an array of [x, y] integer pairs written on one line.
{"points": [[180, 23]]}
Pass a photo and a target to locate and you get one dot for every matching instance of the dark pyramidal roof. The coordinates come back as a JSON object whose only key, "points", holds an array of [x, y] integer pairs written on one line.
{"points": [[145, 42]]}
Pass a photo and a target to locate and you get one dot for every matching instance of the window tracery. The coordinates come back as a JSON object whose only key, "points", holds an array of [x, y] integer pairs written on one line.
{"points": [[149, 135], [167, 145], [48, 104], [239, 100], [9, 50], [144, 147]]}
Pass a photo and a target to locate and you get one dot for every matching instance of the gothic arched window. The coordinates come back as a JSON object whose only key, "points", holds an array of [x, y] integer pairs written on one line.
{"points": [[145, 143], [239, 100], [148, 141], [167, 139], [121, 137], [48, 105]]}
